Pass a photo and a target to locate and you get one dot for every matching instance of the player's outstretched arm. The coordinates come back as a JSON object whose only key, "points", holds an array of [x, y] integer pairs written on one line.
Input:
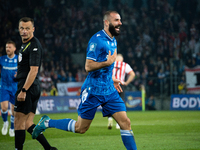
{"points": [[91, 65]]}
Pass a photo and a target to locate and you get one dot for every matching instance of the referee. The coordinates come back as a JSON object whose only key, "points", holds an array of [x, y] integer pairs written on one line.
{"points": [[28, 92]]}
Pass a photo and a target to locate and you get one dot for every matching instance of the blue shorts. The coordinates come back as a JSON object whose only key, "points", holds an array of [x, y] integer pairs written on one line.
{"points": [[6, 95], [110, 104]]}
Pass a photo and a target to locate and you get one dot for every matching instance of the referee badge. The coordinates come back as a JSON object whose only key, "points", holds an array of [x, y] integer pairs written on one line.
{"points": [[20, 57]]}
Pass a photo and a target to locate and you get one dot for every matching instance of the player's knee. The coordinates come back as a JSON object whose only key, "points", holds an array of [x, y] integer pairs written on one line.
{"points": [[19, 125], [128, 122], [4, 108], [81, 130], [125, 124]]}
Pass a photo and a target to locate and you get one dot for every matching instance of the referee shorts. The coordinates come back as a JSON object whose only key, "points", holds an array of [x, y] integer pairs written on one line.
{"points": [[31, 100]]}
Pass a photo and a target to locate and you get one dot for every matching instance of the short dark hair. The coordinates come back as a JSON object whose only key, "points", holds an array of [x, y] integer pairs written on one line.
{"points": [[27, 19], [107, 13], [11, 42]]}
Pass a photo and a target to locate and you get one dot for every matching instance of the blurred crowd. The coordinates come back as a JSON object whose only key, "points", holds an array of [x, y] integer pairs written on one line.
{"points": [[158, 37]]}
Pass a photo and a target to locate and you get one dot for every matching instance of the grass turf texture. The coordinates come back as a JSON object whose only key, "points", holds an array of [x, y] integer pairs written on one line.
{"points": [[154, 130]]}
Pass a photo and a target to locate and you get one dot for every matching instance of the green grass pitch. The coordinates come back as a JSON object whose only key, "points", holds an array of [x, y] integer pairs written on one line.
{"points": [[154, 130]]}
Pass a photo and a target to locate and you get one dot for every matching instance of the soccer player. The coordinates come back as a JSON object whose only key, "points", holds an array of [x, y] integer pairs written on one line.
{"points": [[120, 70], [28, 92], [8, 86], [99, 87]]}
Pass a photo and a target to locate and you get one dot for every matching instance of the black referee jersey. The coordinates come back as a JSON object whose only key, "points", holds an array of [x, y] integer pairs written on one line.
{"points": [[30, 54]]}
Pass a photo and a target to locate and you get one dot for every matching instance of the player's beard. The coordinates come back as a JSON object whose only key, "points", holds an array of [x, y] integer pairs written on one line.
{"points": [[112, 30]]}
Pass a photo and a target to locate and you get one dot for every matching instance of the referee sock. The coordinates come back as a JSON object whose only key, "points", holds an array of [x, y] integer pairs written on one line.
{"points": [[40, 138], [4, 115], [19, 139], [128, 139], [63, 124]]}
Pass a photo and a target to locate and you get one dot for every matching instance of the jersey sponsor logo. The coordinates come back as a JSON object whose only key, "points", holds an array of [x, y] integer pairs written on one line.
{"points": [[9, 68], [35, 49], [92, 47], [20, 57]]}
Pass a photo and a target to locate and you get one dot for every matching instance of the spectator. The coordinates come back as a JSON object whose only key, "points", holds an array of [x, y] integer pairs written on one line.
{"points": [[193, 30], [161, 76], [161, 81], [53, 91], [150, 103], [44, 93], [182, 36], [182, 25], [70, 78], [192, 43], [45, 81], [151, 82], [182, 88], [62, 76]]}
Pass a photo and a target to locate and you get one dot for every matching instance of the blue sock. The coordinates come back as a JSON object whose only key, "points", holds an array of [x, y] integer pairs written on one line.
{"points": [[63, 124], [12, 121], [4, 115], [128, 139]]}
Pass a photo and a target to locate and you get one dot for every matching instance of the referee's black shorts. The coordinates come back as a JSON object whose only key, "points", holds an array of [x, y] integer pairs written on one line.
{"points": [[31, 100]]}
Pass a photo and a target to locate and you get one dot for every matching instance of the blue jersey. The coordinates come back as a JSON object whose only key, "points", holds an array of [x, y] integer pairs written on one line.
{"points": [[99, 82], [8, 70]]}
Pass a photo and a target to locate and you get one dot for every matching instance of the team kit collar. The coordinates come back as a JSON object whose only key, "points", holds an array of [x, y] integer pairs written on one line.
{"points": [[112, 39]]}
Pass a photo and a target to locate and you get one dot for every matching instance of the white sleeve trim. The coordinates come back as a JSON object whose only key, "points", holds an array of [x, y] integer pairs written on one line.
{"points": [[91, 58]]}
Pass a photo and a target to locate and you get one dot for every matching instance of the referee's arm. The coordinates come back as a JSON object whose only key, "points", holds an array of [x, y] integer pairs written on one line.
{"points": [[31, 77], [29, 81]]}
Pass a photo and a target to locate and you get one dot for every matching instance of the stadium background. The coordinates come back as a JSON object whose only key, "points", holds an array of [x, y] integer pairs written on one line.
{"points": [[158, 39]]}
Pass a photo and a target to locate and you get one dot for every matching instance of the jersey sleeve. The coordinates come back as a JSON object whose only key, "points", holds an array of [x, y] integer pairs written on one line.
{"points": [[35, 55], [93, 49], [128, 68]]}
